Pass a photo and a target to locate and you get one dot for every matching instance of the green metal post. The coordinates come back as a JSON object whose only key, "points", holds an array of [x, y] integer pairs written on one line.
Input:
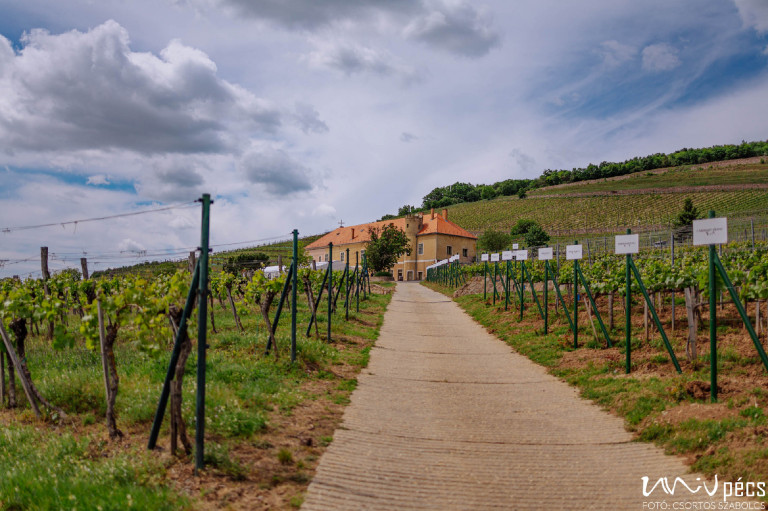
{"points": [[279, 311], [506, 285], [202, 323], [712, 322], [294, 286], [562, 301], [313, 317], [575, 303], [594, 306], [161, 405], [495, 272], [346, 302], [357, 281], [546, 300], [330, 288], [742, 312], [485, 281], [628, 310], [527, 274]]}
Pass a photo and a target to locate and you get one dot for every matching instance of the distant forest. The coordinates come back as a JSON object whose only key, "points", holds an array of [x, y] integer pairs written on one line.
{"points": [[466, 192]]}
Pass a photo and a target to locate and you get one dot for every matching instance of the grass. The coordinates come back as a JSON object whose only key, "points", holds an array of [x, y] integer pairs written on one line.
{"points": [[72, 465]]}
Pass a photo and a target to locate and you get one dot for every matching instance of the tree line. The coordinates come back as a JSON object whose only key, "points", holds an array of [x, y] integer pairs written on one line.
{"points": [[458, 192]]}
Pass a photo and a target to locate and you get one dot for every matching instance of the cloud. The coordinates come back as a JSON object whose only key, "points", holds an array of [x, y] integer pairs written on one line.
{"points": [[351, 59], [309, 119], [455, 27], [325, 210], [129, 245], [526, 162], [314, 14], [173, 180], [98, 179], [660, 57], [754, 13], [89, 90], [407, 137], [615, 53], [276, 171]]}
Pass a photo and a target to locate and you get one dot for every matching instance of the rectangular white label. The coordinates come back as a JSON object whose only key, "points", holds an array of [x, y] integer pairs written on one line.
{"points": [[710, 231], [628, 244], [484, 257], [545, 254], [521, 255], [507, 255], [515, 246], [494, 257], [573, 252]]}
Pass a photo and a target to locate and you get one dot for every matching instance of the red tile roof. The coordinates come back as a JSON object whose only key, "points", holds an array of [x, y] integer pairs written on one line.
{"points": [[361, 233]]}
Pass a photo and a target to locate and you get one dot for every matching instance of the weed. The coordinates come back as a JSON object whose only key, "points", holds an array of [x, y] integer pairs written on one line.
{"points": [[285, 456], [218, 456]]}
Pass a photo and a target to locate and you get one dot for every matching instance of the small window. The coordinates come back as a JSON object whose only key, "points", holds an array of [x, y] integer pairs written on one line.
{"points": [[421, 275], [450, 250], [326, 258], [464, 252], [342, 257], [421, 249]]}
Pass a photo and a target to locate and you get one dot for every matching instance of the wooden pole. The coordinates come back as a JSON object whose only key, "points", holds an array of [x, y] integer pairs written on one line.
{"points": [[84, 266]]}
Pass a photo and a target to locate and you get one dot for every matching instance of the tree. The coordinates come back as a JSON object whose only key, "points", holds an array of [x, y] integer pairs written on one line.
{"points": [[492, 241], [536, 236], [522, 193], [406, 210], [521, 227], [385, 247], [687, 215]]}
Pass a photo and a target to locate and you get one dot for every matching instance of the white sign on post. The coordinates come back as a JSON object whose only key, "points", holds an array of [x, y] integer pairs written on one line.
{"points": [[628, 244], [573, 252], [521, 255], [495, 257], [507, 255], [515, 246], [545, 254], [484, 257], [710, 231]]}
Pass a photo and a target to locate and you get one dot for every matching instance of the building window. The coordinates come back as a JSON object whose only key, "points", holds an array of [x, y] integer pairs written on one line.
{"points": [[450, 250], [326, 258], [464, 252], [421, 248], [421, 275], [342, 257]]}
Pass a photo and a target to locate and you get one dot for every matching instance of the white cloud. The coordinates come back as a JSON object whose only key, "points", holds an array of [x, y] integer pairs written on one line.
{"points": [[615, 53], [89, 90], [129, 245], [754, 14], [324, 210], [660, 57], [98, 179]]}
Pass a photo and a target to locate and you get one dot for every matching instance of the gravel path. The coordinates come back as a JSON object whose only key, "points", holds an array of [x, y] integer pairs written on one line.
{"points": [[446, 416]]}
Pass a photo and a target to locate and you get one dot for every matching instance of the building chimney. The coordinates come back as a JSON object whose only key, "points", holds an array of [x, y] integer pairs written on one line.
{"points": [[432, 213], [353, 233], [445, 214]]}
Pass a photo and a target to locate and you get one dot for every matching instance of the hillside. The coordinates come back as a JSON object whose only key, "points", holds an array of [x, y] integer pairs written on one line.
{"points": [[644, 201]]}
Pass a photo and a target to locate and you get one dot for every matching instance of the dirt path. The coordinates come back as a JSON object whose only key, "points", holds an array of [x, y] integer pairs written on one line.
{"points": [[446, 416]]}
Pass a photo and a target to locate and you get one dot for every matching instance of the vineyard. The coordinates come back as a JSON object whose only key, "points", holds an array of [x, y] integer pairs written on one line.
{"points": [[83, 365], [660, 378], [643, 202]]}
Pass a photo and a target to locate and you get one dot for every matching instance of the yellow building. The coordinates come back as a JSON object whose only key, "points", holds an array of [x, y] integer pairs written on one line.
{"points": [[432, 238]]}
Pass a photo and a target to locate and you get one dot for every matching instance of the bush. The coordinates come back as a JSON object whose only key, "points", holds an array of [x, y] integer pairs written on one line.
{"points": [[383, 274]]}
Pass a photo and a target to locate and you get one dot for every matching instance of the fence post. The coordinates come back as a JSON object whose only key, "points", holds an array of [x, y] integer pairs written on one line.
{"points": [[712, 322], [576, 301], [330, 288], [628, 310], [202, 318], [294, 285]]}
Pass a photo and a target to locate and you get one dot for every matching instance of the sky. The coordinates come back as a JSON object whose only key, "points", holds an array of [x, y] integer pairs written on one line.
{"points": [[301, 114]]}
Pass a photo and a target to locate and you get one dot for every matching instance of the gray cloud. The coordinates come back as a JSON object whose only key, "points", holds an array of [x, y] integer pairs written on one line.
{"points": [[407, 137], [78, 91], [276, 171], [524, 161], [312, 14], [457, 28], [309, 119], [352, 59]]}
